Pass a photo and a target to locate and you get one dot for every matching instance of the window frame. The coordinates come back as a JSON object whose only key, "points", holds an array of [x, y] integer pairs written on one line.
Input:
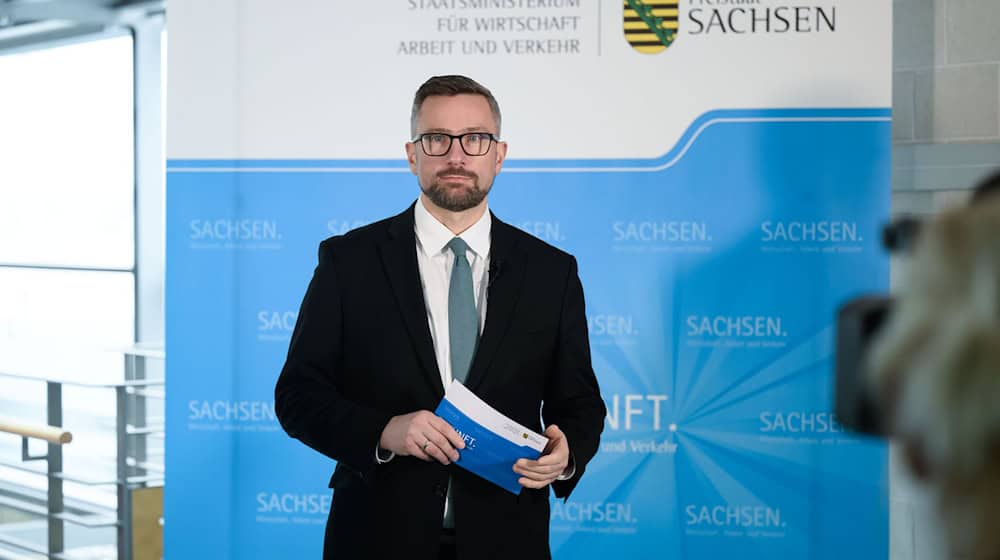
{"points": [[148, 155]]}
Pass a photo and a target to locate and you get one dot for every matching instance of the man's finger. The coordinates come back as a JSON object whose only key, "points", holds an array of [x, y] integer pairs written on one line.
{"points": [[446, 429], [427, 450], [539, 465], [442, 443], [539, 470], [553, 459], [416, 451], [554, 433], [546, 460], [436, 453], [540, 477], [532, 483]]}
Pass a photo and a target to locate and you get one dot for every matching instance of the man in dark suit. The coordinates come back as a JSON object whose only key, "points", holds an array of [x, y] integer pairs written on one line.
{"points": [[399, 308]]}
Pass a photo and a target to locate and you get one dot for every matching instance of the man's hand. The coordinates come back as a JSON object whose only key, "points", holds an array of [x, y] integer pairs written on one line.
{"points": [[423, 435], [552, 463]]}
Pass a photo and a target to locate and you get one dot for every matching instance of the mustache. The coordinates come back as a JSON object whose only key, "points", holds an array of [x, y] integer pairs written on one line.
{"points": [[457, 171]]}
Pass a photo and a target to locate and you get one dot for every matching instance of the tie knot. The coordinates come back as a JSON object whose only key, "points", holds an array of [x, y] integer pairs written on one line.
{"points": [[458, 246]]}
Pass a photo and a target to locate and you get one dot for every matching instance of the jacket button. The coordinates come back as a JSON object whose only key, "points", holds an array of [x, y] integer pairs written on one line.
{"points": [[439, 490]]}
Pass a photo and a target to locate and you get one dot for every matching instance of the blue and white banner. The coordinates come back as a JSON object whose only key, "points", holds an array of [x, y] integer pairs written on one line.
{"points": [[721, 175]]}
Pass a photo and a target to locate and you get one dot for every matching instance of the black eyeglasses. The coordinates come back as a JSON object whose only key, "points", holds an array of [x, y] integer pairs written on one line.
{"points": [[473, 143]]}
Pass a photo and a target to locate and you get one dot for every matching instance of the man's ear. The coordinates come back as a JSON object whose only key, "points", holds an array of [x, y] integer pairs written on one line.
{"points": [[411, 156], [501, 156]]}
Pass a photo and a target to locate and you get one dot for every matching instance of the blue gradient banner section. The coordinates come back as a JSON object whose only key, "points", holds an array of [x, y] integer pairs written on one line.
{"points": [[712, 275]]}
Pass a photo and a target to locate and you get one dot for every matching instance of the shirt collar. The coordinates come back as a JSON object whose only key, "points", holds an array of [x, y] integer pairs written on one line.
{"points": [[434, 236]]}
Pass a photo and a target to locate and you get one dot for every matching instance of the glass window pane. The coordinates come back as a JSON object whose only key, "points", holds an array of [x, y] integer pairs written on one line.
{"points": [[66, 135], [53, 321]]}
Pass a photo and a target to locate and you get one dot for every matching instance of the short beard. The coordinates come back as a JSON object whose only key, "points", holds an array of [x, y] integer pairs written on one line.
{"points": [[456, 200]]}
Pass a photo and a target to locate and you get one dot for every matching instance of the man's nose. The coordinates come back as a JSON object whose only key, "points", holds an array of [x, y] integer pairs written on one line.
{"points": [[456, 154]]}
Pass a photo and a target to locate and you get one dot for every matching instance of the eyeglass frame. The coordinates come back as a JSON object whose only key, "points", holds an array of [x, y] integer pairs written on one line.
{"points": [[494, 139]]}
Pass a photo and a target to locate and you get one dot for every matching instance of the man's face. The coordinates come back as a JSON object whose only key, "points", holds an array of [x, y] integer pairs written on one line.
{"points": [[456, 181]]}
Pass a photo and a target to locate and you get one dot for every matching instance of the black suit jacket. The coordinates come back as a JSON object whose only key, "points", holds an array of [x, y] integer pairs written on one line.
{"points": [[362, 352]]}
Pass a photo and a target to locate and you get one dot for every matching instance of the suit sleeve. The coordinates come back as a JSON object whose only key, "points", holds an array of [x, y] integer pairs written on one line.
{"points": [[572, 398], [306, 400]]}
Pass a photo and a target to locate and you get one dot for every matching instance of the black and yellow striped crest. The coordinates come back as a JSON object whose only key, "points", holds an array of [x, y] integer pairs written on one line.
{"points": [[650, 25]]}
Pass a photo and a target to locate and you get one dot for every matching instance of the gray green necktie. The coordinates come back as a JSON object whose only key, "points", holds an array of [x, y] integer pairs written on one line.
{"points": [[463, 320], [463, 330]]}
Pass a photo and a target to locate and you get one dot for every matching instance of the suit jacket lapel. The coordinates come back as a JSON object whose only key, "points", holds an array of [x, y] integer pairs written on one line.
{"points": [[507, 265], [399, 258]]}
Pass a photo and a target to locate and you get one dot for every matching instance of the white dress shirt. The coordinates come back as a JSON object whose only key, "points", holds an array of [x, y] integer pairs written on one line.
{"points": [[435, 261]]}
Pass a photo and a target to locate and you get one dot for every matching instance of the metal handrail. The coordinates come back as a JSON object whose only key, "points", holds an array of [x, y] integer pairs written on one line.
{"points": [[90, 481], [132, 428], [111, 385], [89, 519], [51, 434]]}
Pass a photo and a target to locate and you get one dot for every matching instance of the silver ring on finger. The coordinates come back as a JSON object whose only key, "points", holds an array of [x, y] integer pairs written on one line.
{"points": [[424, 446]]}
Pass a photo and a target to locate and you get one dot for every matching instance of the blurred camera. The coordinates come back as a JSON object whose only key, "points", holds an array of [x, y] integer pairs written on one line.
{"points": [[860, 320], [901, 234]]}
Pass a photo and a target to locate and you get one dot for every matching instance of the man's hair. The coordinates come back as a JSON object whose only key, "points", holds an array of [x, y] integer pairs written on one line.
{"points": [[449, 86]]}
